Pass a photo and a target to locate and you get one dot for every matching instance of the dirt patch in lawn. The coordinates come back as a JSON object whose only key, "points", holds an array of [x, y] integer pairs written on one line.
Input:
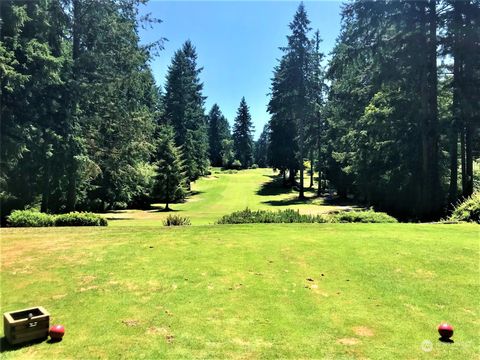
{"points": [[130, 322], [363, 331], [348, 341]]}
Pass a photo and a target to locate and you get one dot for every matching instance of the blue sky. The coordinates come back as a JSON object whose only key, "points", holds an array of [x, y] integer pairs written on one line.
{"points": [[237, 44]]}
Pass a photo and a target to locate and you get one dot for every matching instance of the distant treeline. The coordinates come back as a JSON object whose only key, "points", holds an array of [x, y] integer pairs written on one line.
{"points": [[395, 113]]}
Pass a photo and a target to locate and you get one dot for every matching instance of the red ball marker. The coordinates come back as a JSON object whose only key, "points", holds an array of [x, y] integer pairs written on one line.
{"points": [[56, 332], [445, 330]]}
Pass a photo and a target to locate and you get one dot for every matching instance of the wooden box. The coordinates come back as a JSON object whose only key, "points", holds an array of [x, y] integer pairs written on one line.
{"points": [[26, 325]]}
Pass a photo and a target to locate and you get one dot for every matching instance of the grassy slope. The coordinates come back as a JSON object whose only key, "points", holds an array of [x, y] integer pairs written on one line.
{"points": [[241, 291], [223, 193], [130, 291]]}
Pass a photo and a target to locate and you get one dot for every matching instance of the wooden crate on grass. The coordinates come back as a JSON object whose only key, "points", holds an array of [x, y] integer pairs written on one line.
{"points": [[26, 325]]}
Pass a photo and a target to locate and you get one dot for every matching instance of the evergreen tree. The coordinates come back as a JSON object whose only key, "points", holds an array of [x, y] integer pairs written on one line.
{"points": [[283, 146], [290, 104], [261, 147], [183, 102], [242, 135], [169, 181], [219, 130]]}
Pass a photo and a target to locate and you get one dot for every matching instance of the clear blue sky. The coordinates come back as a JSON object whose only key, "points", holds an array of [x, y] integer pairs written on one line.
{"points": [[237, 44]]}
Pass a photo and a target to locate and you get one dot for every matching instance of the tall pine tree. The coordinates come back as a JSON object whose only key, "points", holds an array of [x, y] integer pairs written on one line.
{"points": [[242, 135], [183, 103]]}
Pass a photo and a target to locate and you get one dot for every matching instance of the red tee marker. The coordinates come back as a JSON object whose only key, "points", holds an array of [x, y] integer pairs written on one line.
{"points": [[445, 330], [56, 332]]}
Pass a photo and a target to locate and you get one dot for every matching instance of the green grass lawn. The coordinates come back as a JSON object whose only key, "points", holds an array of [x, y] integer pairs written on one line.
{"points": [[138, 290], [222, 193]]}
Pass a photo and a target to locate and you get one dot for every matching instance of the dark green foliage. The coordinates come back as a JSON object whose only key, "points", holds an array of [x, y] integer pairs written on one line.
{"points": [[80, 219], [78, 105], [261, 147], [382, 120], [170, 177], [218, 133], [30, 218], [368, 216], [248, 216], [227, 153], [33, 218], [183, 103], [468, 210], [296, 101], [176, 220], [242, 135]]}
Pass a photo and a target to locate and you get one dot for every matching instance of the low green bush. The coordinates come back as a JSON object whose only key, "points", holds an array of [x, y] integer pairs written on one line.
{"points": [[80, 219], [248, 216], [367, 216], [469, 210], [176, 220], [30, 218], [254, 166]]}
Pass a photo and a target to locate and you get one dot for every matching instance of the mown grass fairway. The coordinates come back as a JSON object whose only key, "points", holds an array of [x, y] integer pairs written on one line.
{"points": [[352, 291], [224, 192]]}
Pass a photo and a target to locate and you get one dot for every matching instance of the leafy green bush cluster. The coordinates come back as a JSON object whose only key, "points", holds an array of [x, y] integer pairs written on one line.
{"points": [[80, 219], [469, 210], [367, 216], [32, 218], [248, 216], [176, 220]]}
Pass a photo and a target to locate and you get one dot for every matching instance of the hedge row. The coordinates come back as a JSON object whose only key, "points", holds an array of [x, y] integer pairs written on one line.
{"points": [[32, 218], [248, 216]]}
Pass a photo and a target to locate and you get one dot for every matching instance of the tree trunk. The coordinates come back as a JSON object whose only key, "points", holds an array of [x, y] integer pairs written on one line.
{"points": [[471, 91], [430, 205], [73, 168], [456, 108], [45, 207], [463, 159], [453, 188], [312, 169], [291, 177], [468, 190], [301, 194]]}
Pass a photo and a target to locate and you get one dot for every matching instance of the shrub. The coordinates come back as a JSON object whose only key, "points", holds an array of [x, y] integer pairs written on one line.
{"points": [[469, 210], [368, 216], [248, 216], [80, 219], [254, 166], [29, 218], [176, 220], [236, 164]]}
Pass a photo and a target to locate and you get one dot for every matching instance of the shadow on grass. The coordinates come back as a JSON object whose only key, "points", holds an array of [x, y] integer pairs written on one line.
{"points": [[287, 202], [445, 340], [115, 219], [340, 201], [273, 187], [5, 346]]}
